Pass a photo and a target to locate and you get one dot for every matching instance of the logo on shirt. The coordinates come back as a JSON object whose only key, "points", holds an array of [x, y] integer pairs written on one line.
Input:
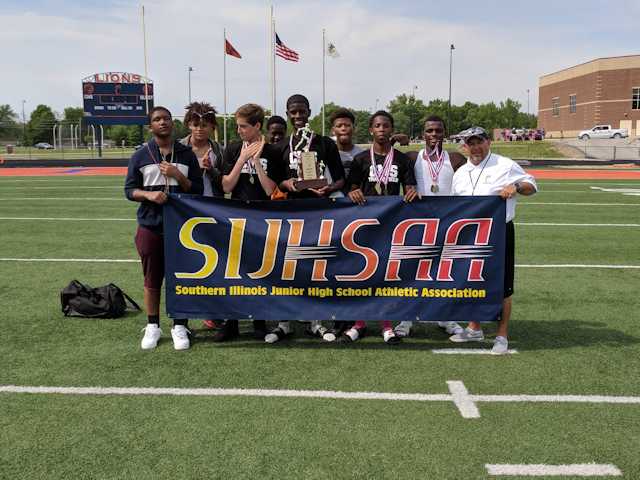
{"points": [[393, 173], [251, 169]]}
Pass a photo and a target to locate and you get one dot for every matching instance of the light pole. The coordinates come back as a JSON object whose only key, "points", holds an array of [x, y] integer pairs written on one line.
{"points": [[413, 99], [376, 109], [527, 102], [189, 70], [451, 49], [24, 126]]}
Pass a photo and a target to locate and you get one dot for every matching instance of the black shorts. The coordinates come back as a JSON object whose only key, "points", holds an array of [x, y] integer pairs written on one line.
{"points": [[150, 246], [509, 259]]}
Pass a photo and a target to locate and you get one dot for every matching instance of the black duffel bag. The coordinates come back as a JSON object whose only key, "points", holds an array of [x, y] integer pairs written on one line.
{"points": [[108, 301]]}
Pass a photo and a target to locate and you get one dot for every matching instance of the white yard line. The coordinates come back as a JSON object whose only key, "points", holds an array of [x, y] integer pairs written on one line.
{"points": [[542, 470], [75, 187], [579, 266], [543, 224], [570, 183], [466, 351], [532, 224], [121, 260], [71, 219], [581, 204], [79, 260], [465, 402], [228, 392], [21, 199], [556, 399]]}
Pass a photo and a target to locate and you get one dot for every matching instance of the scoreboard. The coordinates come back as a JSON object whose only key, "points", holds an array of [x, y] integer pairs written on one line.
{"points": [[117, 98]]}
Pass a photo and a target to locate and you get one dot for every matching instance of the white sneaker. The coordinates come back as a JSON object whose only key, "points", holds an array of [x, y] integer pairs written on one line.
{"points": [[450, 327], [500, 346], [391, 337], [281, 331], [152, 334], [180, 336], [403, 329], [329, 336], [467, 335]]}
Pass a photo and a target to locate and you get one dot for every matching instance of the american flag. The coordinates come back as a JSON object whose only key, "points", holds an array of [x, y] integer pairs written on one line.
{"points": [[285, 52]]}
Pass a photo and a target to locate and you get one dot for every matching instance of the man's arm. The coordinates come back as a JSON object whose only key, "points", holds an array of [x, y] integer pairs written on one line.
{"points": [[457, 160]]}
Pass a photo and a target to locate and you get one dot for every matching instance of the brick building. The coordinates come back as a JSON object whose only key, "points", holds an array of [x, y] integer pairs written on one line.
{"points": [[602, 91]]}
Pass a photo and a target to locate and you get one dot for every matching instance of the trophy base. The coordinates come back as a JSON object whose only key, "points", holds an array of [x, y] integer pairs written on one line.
{"points": [[305, 184]]}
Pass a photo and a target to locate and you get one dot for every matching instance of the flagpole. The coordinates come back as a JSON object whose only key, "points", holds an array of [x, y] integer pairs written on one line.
{"points": [[146, 72], [272, 66], [274, 96], [324, 58], [224, 84]]}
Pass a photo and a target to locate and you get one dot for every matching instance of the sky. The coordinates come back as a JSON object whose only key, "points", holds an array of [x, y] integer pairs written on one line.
{"points": [[386, 48]]}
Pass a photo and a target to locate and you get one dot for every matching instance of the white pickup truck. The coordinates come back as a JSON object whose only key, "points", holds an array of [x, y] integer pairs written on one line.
{"points": [[603, 131]]}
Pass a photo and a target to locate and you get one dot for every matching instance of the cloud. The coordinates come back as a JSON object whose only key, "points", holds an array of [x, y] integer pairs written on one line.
{"points": [[385, 49]]}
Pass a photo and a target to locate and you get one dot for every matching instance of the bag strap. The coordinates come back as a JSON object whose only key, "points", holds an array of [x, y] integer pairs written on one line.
{"points": [[131, 301]]}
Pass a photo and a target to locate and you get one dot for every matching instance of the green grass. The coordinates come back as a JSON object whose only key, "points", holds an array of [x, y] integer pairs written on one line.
{"points": [[576, 330], [520, 149]]}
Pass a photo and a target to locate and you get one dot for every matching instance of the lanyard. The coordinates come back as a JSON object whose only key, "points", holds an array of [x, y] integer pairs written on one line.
{"points": [[434, 170], [164, 159], [383, 176], [475, 184]]}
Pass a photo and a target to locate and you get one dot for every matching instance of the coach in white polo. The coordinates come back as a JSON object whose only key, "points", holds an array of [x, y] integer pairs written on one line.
{"points": [[486, 173]]}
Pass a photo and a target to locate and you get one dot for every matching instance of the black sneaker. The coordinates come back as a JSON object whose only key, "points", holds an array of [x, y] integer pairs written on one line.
{"points": [[283, 330], [229, 331], [259, 329], [351, 335]]}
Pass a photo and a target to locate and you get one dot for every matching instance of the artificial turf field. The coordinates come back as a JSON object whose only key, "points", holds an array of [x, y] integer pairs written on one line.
{"points": [[576, 331]]}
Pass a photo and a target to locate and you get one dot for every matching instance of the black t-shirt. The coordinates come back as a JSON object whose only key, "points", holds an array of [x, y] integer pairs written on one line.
{"points": [[271, 162], [363, 176], [327, 152]]}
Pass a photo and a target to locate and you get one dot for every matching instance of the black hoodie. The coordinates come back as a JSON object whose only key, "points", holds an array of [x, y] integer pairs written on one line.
{"points": [[144, 174]]}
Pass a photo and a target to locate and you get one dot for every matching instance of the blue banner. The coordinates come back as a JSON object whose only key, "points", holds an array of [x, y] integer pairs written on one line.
{"points": [[439, 258]]}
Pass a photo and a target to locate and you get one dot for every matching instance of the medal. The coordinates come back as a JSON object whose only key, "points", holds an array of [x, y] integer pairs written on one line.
{"points": [[434, 170], [382, 177], [251, 179]]}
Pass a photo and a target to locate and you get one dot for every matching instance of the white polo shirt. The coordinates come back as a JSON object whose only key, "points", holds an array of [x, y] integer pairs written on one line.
{"points": [[489, 177]]}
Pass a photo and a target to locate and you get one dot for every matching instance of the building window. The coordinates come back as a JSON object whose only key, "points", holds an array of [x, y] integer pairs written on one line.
{"points": [[572, 104], [635, 98], [555, 106]]}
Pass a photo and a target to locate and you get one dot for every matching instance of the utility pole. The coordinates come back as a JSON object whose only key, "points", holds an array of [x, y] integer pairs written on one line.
{"points": [[190, 69]]}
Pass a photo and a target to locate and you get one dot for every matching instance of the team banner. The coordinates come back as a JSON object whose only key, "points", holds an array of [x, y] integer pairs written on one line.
{"points": [[439, 258]]}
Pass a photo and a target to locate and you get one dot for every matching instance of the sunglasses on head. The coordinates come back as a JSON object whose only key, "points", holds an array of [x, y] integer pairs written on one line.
{"points": [[210, 113]]}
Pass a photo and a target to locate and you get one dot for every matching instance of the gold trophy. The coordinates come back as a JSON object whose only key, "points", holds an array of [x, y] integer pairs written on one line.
{"points": [[310, 170]]}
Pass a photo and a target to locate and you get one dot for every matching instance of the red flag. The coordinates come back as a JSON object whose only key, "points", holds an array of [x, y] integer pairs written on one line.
{"points": [[229, 50]]}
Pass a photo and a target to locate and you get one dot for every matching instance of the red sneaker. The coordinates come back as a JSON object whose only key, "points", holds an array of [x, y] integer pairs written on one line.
{"points": [[209, 324]]}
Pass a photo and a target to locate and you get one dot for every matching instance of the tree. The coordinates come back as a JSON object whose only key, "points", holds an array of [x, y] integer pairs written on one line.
{"points": [[8, 123], [180, 129], [361, 131], [40, 125], [118, 134], [408, 113], [73, 114]]}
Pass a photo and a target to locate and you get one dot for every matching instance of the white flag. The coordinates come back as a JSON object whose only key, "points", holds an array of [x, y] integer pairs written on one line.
{"points": [[332, 51]]}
